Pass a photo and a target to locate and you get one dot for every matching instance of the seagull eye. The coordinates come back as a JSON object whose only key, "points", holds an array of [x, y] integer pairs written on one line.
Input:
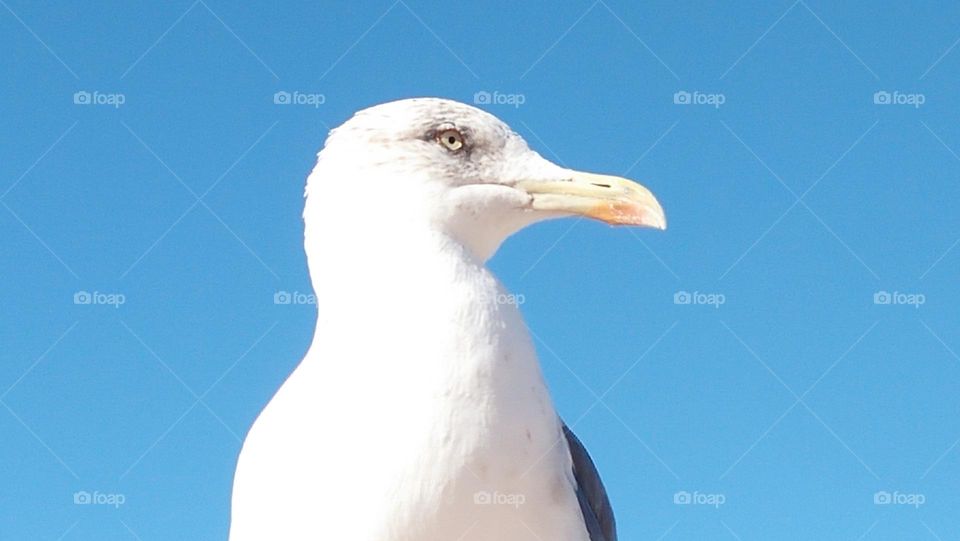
{"points": [[450, 139]]}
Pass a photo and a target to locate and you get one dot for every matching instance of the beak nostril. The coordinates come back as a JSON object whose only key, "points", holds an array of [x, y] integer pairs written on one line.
{"points": [[600, 185]]}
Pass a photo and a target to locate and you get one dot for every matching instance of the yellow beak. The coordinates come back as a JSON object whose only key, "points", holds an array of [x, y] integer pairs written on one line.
{"points": [[614, 200]]}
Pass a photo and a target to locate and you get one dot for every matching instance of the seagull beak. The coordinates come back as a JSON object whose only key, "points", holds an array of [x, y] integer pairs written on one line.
{"points": [[614, 200]]}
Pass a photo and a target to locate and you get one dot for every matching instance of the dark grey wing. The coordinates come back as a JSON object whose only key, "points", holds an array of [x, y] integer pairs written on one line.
{"points": [[594, 504]]}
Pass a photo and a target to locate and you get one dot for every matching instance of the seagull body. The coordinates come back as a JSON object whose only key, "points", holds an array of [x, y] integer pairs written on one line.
{"points": [[420, 412]]}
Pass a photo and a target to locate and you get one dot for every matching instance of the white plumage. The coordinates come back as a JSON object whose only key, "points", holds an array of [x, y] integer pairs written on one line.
{"points": [[420, 412]]}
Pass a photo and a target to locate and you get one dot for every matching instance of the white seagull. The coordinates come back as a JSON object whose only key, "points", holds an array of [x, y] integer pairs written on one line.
{"points": [[420, 412]]}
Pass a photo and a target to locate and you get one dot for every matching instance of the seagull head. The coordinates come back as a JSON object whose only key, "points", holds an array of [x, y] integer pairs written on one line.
{"points": [[458, 171]]}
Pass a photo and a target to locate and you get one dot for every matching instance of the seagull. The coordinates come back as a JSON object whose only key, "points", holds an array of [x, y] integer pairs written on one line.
{"points": [[420, 412]]}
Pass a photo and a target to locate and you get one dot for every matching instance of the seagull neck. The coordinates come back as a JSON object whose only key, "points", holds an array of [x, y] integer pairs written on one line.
{"points": [[398, 300]]}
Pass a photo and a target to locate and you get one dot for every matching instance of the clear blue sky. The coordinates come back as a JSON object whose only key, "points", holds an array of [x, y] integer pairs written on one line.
{"points": [[793, 197]]}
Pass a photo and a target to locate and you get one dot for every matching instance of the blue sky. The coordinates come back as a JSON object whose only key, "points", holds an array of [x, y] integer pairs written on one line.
{"points": [[784, 357]]}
